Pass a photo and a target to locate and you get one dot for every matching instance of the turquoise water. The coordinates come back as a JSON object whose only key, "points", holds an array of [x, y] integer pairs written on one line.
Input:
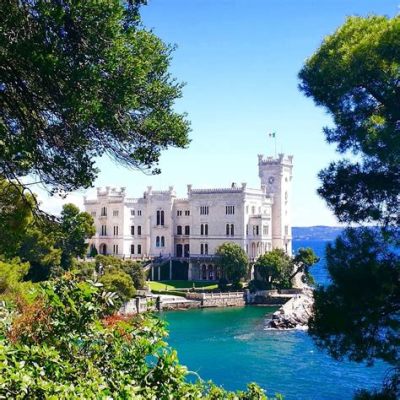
{"points": [[231, 347]]}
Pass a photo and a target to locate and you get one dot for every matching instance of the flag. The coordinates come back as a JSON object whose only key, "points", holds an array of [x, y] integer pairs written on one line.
{"points": [[272, 134]]}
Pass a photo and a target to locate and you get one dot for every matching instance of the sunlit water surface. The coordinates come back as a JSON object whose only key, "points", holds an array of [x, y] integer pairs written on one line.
{"points": [[231, 347]]}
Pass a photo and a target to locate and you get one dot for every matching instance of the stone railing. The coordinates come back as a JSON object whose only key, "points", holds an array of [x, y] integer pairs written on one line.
{"points": [[220, 295]]}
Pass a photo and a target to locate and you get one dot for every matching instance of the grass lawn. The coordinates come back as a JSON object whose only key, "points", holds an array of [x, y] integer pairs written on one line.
{"points": [[173, 285]]}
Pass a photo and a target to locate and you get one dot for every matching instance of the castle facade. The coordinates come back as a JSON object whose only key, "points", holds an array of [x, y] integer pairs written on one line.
{"points": [[183, 234]]}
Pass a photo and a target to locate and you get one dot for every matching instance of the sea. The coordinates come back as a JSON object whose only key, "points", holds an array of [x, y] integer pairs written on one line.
{"points": [[231, 347]]}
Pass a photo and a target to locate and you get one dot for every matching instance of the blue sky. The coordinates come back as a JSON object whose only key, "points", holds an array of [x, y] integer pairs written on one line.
{"points": [[240, 60]]}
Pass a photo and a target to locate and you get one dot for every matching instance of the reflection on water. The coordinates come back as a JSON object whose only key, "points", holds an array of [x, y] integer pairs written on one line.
{"points": [[232, 347]]}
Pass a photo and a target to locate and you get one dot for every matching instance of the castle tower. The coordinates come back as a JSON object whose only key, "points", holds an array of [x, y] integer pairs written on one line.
{"points": [[276, 177]]}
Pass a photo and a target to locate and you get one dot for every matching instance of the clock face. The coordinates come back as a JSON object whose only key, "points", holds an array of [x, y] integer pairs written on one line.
{"points": [[271, 180]]}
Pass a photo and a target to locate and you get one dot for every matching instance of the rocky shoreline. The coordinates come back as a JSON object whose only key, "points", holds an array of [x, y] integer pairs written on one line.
{"points": [[294, 314]]}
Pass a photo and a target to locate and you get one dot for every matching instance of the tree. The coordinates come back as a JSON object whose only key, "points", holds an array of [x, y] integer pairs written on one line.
{"points": [[355, 75], [233, 261], [75, 227], [276, 268], [303, 260], [118, 282], [15, 216], [80, 79]]}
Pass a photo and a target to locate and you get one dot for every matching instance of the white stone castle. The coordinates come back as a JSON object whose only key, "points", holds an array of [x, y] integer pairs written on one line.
{"points": [[183, 234]]}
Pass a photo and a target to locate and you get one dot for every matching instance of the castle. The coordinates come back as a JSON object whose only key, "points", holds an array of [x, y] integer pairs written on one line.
{"points": [[182, 235]]}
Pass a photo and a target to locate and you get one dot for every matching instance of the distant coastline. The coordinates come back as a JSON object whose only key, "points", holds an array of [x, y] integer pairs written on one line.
{"points": [[318, 232]]}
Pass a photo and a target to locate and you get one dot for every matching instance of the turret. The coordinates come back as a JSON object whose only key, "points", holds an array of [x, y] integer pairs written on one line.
{"points": [[276, 176]]}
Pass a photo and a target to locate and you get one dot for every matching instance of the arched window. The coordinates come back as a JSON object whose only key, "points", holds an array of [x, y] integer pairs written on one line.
{"points": [[162, 218], [227, 229], [205, 248], [206, 229], [232, 230], [158, 241], [158, 217], [187, 230], [162, 241], [202, 229], [179, 230], [201, 248]]}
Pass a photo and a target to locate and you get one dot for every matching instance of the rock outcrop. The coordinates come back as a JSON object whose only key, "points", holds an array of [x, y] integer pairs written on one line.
{"points": [[294, 314]]}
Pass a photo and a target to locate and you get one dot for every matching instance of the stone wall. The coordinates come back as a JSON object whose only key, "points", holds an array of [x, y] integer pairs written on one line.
{"points": [[228, 299]]}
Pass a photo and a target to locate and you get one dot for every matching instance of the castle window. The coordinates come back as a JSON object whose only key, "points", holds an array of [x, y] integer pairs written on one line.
{"points": [[204, 229], [158, 241], [115, 213], [265, 229], [247, 229], [103, 212], [132, 212], [204, 248], [179, 230], [232, 230], [160, 217], [179, 213], [132, 230], [132, 249], [139, 230], [203, 210], [257, 230], [139, 212], [139, 249], [227, 229], [230, 210], [115, 249], [187, 213], [187, 230], [115, 230], [162, 241], [104, 230]]}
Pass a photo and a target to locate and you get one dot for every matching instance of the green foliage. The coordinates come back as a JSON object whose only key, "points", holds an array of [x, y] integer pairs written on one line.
{"points": [[38, 247], [118, 282], [69, 344], [275, 268], [355, 75], [15, 216], [93, 251], [303, 260], [133, 268], [257, 284], [75, 227], [81, 79], [12, 274], [232, 260]]}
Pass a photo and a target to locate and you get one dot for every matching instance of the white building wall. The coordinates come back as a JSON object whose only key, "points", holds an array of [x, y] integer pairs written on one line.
{"points": [[261, 217]]}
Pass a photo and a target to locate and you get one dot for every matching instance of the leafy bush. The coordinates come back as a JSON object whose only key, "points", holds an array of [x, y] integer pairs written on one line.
{"points": [[133, 268], [118, 282], [69, 344], [256, 284]]}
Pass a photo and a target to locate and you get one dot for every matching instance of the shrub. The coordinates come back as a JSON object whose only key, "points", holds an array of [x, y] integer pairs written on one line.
{"points": [[78, 348]]}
